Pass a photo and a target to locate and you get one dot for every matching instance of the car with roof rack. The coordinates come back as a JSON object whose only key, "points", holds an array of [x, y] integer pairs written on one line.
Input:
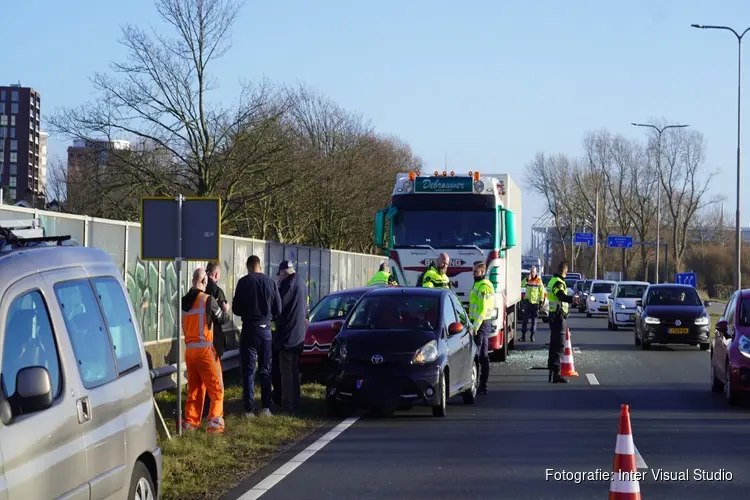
{"points": [[72, 366]]}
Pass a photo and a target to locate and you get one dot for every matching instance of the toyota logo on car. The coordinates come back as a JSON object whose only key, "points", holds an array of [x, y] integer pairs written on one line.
{"points": [[376, 359]]}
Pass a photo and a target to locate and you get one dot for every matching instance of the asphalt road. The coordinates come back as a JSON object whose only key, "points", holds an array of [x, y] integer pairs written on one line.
{"points": [[502, 446]]}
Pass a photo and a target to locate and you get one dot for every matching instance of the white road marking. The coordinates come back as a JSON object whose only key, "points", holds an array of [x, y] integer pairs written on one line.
{"points": [[272, 479], [639, 462], [592, 379]]}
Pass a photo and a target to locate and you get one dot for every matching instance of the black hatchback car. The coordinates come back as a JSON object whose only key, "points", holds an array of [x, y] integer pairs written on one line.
{"points": [[403, 347], [672, 314]]}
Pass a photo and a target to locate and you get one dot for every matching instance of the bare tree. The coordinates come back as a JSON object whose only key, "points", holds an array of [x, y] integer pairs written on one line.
{"points": [[620, 188], [642, 207], [685, 184]]}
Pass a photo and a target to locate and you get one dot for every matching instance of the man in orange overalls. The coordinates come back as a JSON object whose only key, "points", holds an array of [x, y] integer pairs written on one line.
{"points": [[200, 312]]}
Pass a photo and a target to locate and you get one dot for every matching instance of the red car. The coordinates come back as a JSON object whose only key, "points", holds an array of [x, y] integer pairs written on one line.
{"points": [[320, 332], [730, 351]]}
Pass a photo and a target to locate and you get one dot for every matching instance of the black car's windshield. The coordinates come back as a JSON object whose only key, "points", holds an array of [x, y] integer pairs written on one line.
{"points": [[334, 306], [668, 296], [602, 288], [444, 228], [630, 291], [745, 312], [396, 312]]}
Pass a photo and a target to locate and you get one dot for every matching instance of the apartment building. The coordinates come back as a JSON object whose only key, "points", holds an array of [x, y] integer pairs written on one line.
{"points": [[20, 148]]}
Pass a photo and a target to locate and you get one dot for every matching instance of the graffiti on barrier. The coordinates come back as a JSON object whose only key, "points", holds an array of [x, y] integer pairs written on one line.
{"points": [[143, 281]]}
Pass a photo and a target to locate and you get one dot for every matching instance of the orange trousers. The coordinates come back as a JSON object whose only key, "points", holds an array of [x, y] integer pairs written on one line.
{"points": [[204, 375]]}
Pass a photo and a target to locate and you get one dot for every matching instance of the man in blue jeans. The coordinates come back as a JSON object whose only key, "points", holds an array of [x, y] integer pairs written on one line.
{"points": [[257, 302]]}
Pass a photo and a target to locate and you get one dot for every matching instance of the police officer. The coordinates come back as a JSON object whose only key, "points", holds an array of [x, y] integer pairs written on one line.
{"points": [[559, 301], [535, 294], [481, 307], [382, 277], [436, 275]]}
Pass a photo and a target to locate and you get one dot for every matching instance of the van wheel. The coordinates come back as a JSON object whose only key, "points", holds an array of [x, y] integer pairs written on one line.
{"points": [[141, 484]]}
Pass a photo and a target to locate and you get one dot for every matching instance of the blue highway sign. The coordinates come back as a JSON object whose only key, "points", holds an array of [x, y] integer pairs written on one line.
{"points": [[686, 279], [620, 241], [584, 239]]}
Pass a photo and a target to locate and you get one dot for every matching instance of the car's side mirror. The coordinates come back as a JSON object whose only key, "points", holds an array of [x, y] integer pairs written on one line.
{"points": [[722, 326], [455, 328], [707, 303], [337, 325], [639, 303], [34, 389], [611, 297]]}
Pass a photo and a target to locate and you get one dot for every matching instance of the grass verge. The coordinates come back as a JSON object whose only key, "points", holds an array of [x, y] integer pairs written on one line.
{"points": [[200, 465]]}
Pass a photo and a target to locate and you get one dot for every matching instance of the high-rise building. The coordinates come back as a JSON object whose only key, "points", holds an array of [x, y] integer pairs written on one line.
{"points": [[87, 158], [43, 140], [20, 157]]}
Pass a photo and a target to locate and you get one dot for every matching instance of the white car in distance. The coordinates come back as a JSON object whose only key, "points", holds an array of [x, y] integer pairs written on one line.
{"points": [[598, 296], [622, 303]]}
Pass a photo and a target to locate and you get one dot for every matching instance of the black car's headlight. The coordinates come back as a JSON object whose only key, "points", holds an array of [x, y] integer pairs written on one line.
{"points": [[703, 320], [650, 320], [337, 352], [426, 354]]}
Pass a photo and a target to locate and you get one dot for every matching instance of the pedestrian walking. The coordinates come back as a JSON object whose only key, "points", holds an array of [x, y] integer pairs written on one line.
{"points": [[559, 301], [257, 301], [289, 338], [200, 312]]}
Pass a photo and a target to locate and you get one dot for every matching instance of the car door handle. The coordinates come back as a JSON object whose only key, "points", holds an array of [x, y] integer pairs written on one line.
{"points": [[84, 410]]}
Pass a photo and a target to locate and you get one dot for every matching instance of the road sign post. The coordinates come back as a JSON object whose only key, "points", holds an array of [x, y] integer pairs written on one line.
{"points": [[620, 241], [180, 229], [686, 279]]}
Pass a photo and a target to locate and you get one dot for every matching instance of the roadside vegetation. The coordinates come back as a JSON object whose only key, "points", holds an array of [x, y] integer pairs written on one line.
{"points": [[198, 465]]}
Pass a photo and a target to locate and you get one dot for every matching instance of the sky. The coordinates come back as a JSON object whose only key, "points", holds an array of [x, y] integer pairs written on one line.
{"points": [[485, 84]]}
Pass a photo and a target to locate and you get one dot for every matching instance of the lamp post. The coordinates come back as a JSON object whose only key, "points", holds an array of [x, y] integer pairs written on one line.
{"points": [[738, 225], [659, 131]]}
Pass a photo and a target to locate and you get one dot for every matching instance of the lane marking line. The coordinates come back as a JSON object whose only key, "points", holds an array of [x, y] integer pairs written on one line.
{"points": [[273, 479], [592, 379], [639, 462]]}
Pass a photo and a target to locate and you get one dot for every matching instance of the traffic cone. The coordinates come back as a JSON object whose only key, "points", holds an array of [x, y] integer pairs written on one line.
{"points": [[624, 484], [568, 368]]}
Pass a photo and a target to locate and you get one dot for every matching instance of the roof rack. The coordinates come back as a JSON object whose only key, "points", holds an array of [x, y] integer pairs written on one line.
{"points": [[9, 240]]}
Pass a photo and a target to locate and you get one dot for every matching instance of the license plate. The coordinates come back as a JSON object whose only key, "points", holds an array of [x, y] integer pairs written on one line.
{"points": [[603, 308], [632, 317], [678, 331], [359, 383]]}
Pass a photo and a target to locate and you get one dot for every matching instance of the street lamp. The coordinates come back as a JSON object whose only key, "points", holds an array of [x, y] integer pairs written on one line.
{"points": [[658, 191], [738, 225]]}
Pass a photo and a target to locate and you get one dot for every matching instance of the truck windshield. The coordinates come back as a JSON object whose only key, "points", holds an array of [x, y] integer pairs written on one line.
{"points": [[445, 229]]}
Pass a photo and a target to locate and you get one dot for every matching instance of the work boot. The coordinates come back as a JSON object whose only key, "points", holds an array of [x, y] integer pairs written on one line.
{"points": [[559, 379], [523, 338], [551, 376], [532, 338], [482, 391]]}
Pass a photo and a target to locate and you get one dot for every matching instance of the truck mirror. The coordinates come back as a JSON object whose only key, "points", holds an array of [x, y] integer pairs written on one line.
{"points": [[510, 229], [380, 228]]}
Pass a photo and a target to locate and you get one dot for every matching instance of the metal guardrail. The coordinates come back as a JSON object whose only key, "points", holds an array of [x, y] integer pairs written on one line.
{"points": [[165, 378]]}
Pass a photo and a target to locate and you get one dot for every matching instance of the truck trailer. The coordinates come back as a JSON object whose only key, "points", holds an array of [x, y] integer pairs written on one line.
{"points": [[470, 217]]}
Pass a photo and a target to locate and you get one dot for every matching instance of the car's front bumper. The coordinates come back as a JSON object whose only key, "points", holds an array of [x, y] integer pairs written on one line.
{"points": [[596, 308], [623, 317], [661, 334], [386, 387]]}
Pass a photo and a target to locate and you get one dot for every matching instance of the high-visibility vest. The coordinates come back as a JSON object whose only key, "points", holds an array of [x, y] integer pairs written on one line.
{"points": [[556, 284], [195, 325], [534, 290], [481, 302], [433, 279], [380, 278]]}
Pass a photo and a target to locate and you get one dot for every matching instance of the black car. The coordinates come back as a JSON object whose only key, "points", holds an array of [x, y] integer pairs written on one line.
{"points": [[403, 347], [672, 314]]}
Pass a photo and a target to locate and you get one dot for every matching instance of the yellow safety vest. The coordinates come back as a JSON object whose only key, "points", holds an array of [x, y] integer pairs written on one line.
{"points": [[481, 302], [380, 278], [534, 291], [433, 279], [555, 284]]}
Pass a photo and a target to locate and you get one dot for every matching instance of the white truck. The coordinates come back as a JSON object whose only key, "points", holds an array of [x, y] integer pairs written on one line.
{"points": [[470, 217]]}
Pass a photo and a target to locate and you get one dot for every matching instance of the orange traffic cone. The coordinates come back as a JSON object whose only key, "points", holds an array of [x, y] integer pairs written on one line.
{"points": [[624, 484], [568, 368]]}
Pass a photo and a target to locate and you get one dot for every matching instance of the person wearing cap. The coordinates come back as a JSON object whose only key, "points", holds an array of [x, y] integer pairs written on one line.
{"points": [[257, 301], [289, 338], [382, 277]]}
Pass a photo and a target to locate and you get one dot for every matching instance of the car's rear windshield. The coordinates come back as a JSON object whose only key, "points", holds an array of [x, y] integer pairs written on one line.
{"points": [[745, 312], [396, 312], [334, 306], [673, 296], [630, 291], [602, 288]]}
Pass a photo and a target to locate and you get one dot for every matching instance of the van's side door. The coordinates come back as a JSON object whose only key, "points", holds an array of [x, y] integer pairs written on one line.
{"points": [[44, 453], [99, 405]]}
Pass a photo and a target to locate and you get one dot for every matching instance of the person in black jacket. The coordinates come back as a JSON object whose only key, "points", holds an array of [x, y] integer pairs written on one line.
{"points": [[288, 342], [257, 301], [213, 271]]}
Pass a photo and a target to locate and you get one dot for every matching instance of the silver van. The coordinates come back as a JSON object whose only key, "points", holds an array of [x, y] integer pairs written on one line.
{"points": [[76, 408]]}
